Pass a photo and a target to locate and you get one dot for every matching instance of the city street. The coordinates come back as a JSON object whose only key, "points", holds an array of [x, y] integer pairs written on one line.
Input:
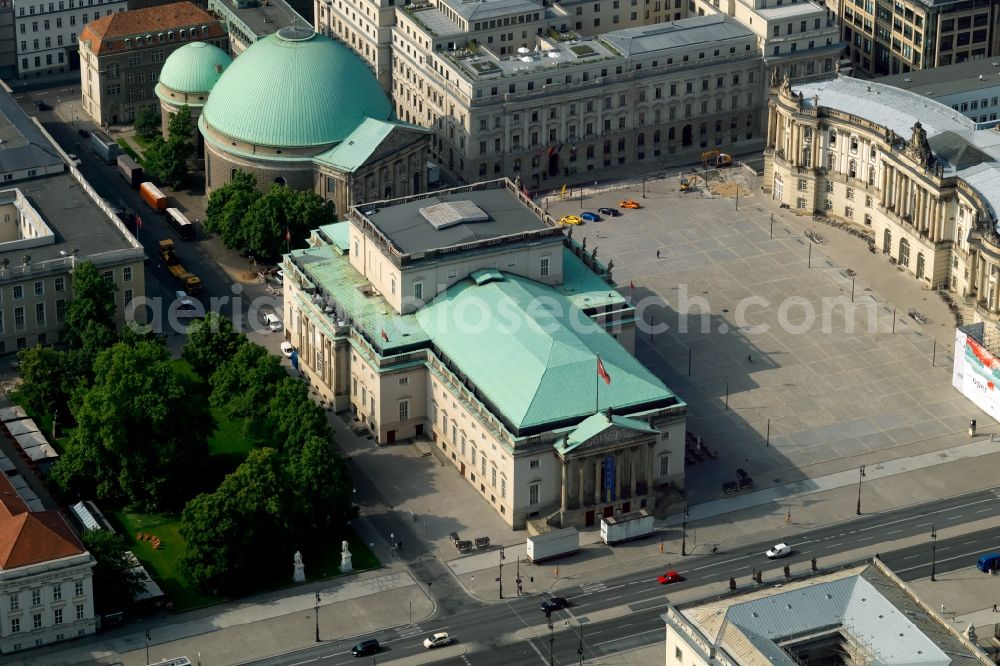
{"points": [[622, 613]]}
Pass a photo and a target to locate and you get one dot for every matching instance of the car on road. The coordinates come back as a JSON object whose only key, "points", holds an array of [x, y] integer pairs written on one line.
{"points": [[554, 604], [570, 220], [287, 348], [365, 648], [779, 550], [82, 132], [590, 217], [670, 577], [74, 159], [628, 203], [279, 278], [609, 212], [273, 321], [440, 639]]}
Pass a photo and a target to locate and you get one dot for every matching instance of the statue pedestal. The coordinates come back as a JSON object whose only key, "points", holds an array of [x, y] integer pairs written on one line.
{"points": [[346, 566]]}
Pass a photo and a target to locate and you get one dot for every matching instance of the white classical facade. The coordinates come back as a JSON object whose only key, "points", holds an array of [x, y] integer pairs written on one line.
{"points": [[923, 178]]}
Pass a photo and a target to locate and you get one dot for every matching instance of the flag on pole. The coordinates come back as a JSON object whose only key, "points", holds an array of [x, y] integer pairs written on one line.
{"points": [[562, 192], [138, 222], [631, 285], [601, 372], [385, 336], [288, 235]]}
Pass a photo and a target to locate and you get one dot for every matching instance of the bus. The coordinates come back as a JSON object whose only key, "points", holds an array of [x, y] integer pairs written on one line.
{"points": [[180, 224]]}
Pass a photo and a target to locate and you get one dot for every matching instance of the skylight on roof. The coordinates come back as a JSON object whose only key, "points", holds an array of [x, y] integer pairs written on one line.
{"points": [[450, 213]]}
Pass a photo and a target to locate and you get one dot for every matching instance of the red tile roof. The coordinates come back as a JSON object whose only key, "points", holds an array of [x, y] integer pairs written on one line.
{"points": [[108, 33], [28, 537]]}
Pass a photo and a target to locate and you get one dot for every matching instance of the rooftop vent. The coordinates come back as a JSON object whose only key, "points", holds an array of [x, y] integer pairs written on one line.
{"points": [[450, 213]]}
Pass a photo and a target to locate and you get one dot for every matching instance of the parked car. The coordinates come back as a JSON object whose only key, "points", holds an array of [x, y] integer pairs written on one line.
{"points": [[287, 348], [670, 577], [279, 278], [590, 217], [554, 604], [273, 321], [628, 203], [989, 563], [440, 639], [82, 132], [74, 159], [365, 648], [779, 550], [610, 212], [570, 220]]}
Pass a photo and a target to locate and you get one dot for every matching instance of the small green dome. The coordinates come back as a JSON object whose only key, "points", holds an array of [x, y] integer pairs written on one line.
{"points": [[295, 88], [194, 68]]}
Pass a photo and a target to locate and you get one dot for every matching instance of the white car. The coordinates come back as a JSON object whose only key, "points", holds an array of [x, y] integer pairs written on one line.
{"points": [[272, 321], [779, 550], [279, 277], [287, 348], [439, 639], [74, 159]]}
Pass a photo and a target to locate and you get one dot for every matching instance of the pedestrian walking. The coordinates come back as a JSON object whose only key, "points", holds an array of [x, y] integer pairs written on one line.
{"points": [[749, 358], [657, 254], [994, 608]]}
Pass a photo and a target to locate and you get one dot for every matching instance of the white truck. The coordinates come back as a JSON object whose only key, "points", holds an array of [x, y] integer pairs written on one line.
{"points": [[553, 544], [632, 525]]}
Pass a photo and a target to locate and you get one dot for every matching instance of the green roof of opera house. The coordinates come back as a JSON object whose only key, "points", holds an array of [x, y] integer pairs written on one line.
{"points": [[542, 362], [295, 88], [194, 68]]}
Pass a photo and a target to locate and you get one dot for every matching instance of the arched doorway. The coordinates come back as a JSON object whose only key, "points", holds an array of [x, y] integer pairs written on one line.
{"points": [[416, 183], [887, 242], [554, 164], [686, 136], [280, 180]]}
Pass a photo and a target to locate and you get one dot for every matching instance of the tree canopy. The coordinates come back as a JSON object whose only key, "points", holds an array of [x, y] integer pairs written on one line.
{"points": [[245, 219], [140, 440], [167, 159], [244, 382], [92, 305], [147, 122], [211, 341], [49, 379]]}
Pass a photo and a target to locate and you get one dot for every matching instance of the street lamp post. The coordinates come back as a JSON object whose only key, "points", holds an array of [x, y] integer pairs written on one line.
{"points": [[392, 542], [147, 646], [860, 477], [500, 575], [933, 551], [317, 617], [684, 524], [552, 638]]}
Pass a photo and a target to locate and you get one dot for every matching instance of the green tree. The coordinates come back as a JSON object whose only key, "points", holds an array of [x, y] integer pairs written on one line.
{"points": [[228, 205], [211, 341], [140, 438], [167, 159], [322, 486], [244, 382], [115, 582], [49, 377], [147, 122], [91, 309], [240, 532], [284, 210], [292, 417]]}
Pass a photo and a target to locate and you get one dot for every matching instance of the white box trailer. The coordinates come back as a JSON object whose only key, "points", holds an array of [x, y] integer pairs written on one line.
{"points": [[553, 544], [632, 525]]}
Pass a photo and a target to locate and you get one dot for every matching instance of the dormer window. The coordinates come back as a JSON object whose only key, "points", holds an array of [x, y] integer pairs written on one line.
{"points": [[183, 34]]}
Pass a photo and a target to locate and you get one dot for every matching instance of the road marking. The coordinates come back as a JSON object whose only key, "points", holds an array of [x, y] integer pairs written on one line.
{"points": [[868, 538], [613, 598], [621, 638], [910, 557], [939, 561], [894, 532], [835, 544]]}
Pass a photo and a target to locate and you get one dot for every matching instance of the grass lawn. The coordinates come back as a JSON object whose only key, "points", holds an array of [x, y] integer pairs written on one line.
{"points": [[128, 149], [163, 563], [323, 559]]}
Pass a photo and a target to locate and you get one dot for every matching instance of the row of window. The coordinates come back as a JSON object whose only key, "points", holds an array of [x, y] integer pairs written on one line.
{"points": [[168, 36], [36, 44], [36, 595], [61, 6], [36, 619], [60, 60]]}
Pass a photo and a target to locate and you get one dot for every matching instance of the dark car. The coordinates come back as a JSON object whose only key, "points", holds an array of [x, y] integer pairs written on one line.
{"points": [[610, 212], [554, 604], [82, 132], [365, 648], [590, 217]]}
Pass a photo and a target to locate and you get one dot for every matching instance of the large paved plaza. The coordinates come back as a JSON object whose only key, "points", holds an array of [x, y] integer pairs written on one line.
{"points": [[782, 397]]}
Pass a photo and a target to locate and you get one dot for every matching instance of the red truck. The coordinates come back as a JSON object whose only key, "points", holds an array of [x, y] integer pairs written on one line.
{"points": [[156, 199]]}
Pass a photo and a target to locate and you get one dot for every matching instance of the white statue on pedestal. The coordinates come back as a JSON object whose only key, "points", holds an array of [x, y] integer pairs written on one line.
{"points": [[346, 566], [299, 576]]}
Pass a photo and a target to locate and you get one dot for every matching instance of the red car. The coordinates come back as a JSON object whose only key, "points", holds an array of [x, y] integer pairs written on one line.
{"points": [[670, 577]]}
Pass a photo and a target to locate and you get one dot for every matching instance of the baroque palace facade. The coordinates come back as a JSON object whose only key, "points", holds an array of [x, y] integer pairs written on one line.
{"points": [[924, 178]]}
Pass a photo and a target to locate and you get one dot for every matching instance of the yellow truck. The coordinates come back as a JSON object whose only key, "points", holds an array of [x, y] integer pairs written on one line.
{"points": [[189, 281]]}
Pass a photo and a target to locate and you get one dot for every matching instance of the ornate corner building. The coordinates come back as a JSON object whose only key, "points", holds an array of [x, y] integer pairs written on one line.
{"points": [[924, 178]]}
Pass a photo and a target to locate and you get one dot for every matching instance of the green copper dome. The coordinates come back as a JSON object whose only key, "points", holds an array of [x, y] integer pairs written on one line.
{"points": [[194, 68], [295, 88]]}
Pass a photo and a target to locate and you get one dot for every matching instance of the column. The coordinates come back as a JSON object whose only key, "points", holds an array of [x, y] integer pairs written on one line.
{"points": [[619, 465], [981, 288], [580, 482], [650, 471], [564, 495], [633, 466], [883, 178], [597, 480]]}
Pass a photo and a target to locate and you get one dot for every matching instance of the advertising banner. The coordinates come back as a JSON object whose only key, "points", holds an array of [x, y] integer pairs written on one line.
{"points": [[976, 373]]}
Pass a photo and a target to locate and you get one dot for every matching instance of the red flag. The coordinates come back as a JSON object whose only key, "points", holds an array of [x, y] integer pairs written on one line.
{"points": [[631, 285], [601, 372], [138, 222], [385, 336], [288, 235]]}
